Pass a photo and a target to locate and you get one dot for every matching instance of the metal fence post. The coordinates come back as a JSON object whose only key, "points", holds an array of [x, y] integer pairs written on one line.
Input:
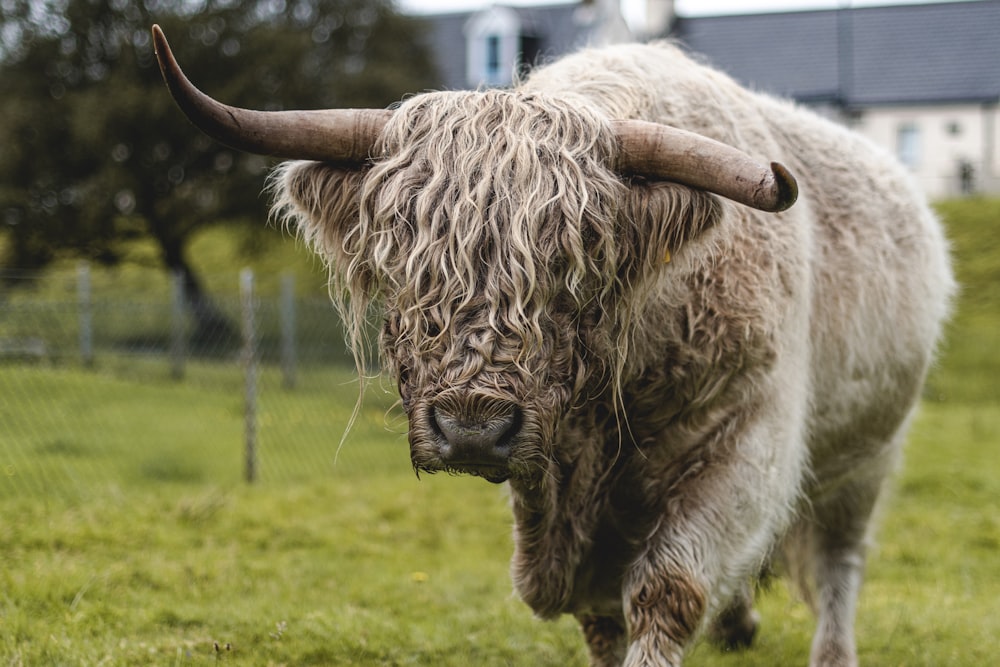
{"points": [[287, 312], [178, 344], [84, 304], [250, 374]]}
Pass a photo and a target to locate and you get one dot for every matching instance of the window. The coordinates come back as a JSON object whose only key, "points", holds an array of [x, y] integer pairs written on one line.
{"points": [[492, 58], [529, 50], [908, 144]]}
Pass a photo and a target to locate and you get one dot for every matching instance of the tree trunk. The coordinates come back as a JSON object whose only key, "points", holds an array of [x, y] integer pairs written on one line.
{"points": [[213, 330]]}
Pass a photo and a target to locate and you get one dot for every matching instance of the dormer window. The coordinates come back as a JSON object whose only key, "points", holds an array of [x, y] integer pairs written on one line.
{"points": [[493, 41]]}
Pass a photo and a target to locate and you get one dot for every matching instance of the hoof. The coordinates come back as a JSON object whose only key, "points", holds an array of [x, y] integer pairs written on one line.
{"points": [[735, 630]]}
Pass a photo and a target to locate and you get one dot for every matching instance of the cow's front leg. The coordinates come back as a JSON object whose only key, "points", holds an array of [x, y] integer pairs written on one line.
{"points": [[605, 637], [721, 508], [665, 606]]}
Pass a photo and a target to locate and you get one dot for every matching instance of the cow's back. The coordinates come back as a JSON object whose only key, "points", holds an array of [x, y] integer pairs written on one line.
{"points": [[882, 286], [875, 256]]}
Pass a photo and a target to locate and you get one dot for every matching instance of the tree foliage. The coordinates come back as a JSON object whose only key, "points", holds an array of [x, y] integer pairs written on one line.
{"points": [[93, 150]]}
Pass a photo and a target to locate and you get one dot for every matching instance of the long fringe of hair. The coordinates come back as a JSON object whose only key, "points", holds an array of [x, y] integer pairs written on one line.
{"points": [[495, 202]]}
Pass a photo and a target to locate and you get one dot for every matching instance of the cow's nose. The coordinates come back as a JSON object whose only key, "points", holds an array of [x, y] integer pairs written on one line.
{"points": [[476, 440]]}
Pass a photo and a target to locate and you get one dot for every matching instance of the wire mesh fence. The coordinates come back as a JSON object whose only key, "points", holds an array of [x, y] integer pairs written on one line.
{"points": [[98, 391]]}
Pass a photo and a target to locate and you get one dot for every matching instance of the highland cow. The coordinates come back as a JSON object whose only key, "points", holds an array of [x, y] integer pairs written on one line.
{"points": [[591, 290]]}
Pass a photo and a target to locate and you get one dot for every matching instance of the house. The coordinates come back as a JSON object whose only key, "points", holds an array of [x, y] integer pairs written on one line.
{"points": [[489, 47], [923, 81]]}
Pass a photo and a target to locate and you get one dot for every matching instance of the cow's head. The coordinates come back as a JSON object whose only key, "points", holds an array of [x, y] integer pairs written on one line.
{"points": [[505, 237]]}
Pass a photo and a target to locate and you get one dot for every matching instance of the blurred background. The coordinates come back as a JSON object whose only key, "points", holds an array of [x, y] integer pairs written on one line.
{"points": [[169, 358]]}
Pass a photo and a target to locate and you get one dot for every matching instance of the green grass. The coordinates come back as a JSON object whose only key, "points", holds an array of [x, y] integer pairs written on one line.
{"points": [[367, 565], [970, 360], [154, 559], [128, 538]]}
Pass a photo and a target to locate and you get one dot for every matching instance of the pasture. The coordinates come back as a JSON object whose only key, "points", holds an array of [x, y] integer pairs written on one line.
{"points": [[155, 553]]}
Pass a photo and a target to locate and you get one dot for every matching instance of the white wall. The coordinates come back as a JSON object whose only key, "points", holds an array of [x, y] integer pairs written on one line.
{"points": [[943, 137]]}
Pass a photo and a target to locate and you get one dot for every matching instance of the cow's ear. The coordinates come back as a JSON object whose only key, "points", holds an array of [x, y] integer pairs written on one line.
{"points": [[320, 203], [665, 216]]}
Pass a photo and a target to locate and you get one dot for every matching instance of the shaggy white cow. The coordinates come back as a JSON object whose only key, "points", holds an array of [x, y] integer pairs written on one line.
{"points": [[680, 389]]}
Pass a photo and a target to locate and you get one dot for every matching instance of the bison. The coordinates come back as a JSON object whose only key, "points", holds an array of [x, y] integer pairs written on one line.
{"points": [[591, 289]]}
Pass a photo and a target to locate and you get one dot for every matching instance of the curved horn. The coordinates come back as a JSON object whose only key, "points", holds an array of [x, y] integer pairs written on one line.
{"points": [[333, 135], [668, 153]]}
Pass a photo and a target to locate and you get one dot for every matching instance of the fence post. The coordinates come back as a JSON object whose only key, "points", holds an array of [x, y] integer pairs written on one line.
{"points": [[287, 313], [249, 373], [178, 343], [83, 298]]}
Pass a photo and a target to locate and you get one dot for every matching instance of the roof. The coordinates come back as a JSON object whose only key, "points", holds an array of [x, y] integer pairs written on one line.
{"points": [[552, 24], [904, 54]]}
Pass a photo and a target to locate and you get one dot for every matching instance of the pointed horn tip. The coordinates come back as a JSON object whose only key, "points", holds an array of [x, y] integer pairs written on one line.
{"points": [[159, 39], [164, 55], [786, 187]]}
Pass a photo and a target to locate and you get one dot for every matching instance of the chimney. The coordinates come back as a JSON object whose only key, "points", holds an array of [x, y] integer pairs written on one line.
{"points": [[659, 18], [600, 22]]}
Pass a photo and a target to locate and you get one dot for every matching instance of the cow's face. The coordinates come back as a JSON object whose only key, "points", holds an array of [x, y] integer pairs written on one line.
{"points": [[509, 257], [503, 254]]}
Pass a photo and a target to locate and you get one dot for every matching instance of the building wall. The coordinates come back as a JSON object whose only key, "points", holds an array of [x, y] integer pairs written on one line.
{"points": [[940, 144]]}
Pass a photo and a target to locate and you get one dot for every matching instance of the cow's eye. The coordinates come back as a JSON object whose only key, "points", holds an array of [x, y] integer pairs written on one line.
{"points": [[391, 327], [403, 382]]}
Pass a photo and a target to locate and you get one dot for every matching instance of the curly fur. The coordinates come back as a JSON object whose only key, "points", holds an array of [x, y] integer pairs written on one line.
{"points": [[680, 425], [487, 209]]}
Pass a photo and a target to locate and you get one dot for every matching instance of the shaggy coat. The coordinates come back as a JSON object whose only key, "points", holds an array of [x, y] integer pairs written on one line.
{"points": [[699, 389]]}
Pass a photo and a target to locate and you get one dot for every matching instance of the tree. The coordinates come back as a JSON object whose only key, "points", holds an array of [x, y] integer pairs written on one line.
{"points": [[94, 153]]}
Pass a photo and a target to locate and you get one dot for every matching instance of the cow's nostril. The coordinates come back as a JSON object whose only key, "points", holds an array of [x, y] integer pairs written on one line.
{"points": [[476, 440]]}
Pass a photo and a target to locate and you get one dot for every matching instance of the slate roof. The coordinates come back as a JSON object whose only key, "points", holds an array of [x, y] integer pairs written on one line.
{"points": [[552, 24], [904, 54]]}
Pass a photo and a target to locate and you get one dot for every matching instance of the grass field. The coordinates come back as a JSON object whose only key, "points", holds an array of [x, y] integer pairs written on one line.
{"points": [[157, 554]]}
